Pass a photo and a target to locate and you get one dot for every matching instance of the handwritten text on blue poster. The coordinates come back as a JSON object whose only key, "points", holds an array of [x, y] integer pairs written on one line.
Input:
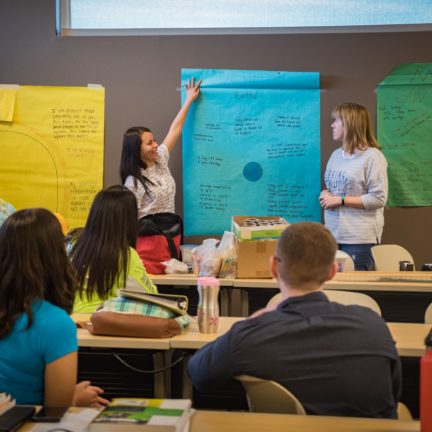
{"points": [[251, 147]]}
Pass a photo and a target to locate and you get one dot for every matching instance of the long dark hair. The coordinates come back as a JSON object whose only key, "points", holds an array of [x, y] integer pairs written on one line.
{"points": [[131, 163], [100, 253], [33, 265]]}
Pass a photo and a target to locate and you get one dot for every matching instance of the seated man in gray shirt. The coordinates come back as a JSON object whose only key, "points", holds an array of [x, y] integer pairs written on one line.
{"points": [[336, 359]]}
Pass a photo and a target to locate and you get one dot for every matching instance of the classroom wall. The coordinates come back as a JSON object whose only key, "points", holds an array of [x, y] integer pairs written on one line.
{"points": [[141, 74]]}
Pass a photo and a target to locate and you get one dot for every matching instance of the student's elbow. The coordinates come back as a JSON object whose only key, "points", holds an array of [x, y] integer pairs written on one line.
{"points": [[202, 376], [197, 373]]}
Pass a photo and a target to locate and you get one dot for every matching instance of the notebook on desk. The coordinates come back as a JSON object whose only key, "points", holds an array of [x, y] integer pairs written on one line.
{"points": [[175, 302]]}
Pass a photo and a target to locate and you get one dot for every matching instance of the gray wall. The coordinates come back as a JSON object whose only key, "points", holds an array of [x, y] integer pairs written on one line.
{"points": [[141, 74]]}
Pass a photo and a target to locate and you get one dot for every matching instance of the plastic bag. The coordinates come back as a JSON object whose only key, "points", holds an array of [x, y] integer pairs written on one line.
{"points": [[228, 255], [206, 259], [174, 266]]}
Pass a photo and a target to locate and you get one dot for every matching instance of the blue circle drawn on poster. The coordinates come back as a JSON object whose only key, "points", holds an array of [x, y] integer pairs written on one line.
{"points": [[252, 171]]}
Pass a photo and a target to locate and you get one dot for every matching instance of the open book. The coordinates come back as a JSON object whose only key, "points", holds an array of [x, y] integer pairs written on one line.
{"points": [[176, 303], [158, 415]]}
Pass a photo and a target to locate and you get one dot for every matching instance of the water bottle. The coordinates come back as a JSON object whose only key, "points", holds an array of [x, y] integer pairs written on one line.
{"points": [[426, 387], [208, 305]]}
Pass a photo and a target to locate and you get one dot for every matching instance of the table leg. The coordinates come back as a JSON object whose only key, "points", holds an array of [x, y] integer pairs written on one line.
{"points": [[244, 303], [162, 380], [187, 391]]}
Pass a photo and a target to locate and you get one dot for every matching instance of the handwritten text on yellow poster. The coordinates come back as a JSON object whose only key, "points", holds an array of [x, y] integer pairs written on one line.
{"points": [[52, 150]]}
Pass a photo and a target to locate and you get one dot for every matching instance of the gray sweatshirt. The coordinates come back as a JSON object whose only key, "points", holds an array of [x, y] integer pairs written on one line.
{"points": [[363, 174]]}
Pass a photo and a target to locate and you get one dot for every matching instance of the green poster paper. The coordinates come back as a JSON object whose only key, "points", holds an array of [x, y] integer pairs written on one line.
{"points": [[404, 110]]}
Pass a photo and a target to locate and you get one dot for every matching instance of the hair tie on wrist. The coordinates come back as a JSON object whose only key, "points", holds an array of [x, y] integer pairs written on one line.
{"points": [[343, 199]]}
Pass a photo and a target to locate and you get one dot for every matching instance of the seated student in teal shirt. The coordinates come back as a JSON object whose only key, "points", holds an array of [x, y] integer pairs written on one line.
{"points": [[103, 252], [38, 339]]}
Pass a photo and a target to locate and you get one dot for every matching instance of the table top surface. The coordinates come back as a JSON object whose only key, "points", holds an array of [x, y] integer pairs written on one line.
{"points": [[367, 281], [409, 337], [216, 421], [193, 339]]}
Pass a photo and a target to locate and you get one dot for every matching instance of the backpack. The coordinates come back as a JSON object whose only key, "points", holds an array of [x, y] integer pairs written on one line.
{"points": [[159, 238]]}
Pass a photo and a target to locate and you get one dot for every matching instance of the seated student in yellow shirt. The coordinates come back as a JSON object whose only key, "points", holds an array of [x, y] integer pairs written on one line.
{"points": [[103, 253]]}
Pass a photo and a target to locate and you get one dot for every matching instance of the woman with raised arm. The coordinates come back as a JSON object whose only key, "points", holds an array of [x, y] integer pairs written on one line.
{"points": [[144, 163], [356, 185]]}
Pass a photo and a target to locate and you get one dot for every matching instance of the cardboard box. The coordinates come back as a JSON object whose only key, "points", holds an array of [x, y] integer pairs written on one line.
{"points": [[253, 258], [258, 227]]}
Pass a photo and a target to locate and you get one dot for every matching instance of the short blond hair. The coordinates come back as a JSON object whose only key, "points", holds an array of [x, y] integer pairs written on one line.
{"points": [[306, 253]]}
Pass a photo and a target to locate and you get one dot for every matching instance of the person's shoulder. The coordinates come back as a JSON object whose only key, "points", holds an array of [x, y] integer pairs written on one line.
{"points": [[163, 153], [364, 313], [376, 155], [7, 205], [374, 152], [129, 181], [133, 254], [6, 209], [251, 326], [337, 153], [368, 324], [50, 313], [163, 148]]}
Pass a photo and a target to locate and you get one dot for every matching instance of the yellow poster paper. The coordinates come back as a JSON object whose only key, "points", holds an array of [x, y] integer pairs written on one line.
{"points": [[52, 152], [7, 103]]}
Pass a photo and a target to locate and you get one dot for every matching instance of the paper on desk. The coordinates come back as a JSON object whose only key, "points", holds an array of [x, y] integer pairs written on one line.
{"points": [[73, 422]]}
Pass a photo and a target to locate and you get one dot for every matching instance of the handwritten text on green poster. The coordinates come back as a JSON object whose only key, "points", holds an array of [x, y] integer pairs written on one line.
{"points": [[404, 126]]}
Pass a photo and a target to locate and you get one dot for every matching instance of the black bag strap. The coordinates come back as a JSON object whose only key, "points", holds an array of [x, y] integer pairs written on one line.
{"points": [[172, 246]]}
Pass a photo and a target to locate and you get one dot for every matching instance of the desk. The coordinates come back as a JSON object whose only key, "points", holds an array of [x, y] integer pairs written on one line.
{"points": [[409, 340], [109, 348], [409, 337], [217, 421], [213, 421], [366, 281], [402, 296], [409, 343]]}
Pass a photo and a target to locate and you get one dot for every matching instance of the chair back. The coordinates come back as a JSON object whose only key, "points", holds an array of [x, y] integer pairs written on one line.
{"points": [[403, 412], [428, 315], [387, 257], [353, 298], [268, 396], [345, 262], [275, 299], [343, 297]]}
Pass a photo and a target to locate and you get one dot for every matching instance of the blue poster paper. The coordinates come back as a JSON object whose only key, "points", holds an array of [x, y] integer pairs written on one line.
{"points": [[251, 147]]}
